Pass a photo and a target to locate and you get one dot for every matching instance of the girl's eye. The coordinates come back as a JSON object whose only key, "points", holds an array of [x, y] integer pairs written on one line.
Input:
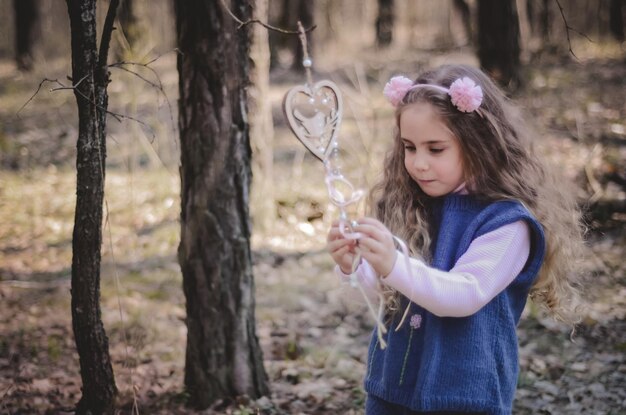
{"points": [[436, 150], [409, 148]]}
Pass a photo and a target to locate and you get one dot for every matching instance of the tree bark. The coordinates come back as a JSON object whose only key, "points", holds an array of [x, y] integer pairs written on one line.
{"points": [[26, 32], [384, 23], [498, 41], [90, 79], [223, 356]]}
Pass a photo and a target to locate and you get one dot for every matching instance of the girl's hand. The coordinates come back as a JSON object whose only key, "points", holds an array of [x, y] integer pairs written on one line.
{"points": [[340, 248], [377, 245]]}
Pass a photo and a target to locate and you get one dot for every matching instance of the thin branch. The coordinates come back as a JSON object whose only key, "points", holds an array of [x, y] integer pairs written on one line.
{"points": [[106, 33], [115, 115], [568, 28], [267, 26], [159, 86], [39, 88], [121, 64]]}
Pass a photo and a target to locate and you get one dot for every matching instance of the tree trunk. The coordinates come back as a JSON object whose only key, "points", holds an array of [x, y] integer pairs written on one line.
{"points": [[462, 9], [280, 14], [261, 124], [545, 19], [384, 23], [90, 79], [498, 41], [223, 356], [616, 21], [26, 32]]}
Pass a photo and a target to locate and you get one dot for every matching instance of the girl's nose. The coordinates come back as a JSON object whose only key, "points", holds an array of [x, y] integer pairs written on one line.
{"points": [[420, 163]]}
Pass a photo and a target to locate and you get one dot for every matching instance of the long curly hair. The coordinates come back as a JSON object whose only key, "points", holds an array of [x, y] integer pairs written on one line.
{"points": [[499, 164]]}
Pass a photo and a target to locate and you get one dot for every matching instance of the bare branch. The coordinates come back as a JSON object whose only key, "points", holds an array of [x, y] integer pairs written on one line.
{"points": [[39, 88], [115, 115], [267, 26], [33, 96], [568, 28], [159, 86]]}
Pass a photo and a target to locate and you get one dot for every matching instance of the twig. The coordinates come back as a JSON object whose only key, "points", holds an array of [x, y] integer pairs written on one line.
{"points": [[568, 28], [306, 60], [159, 86], [267, 26], [119, 65], [39, 88], [115, 115]]}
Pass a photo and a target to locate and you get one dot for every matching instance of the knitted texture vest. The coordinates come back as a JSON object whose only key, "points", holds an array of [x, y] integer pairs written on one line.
{"points": [[458, 363]]}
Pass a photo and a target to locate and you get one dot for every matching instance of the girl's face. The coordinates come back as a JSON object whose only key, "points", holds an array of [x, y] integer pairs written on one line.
{"points": [[432, 155]]}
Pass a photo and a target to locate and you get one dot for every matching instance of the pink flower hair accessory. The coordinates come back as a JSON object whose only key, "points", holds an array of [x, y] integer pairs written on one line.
{"points": [[465, 95], [396, 89]]}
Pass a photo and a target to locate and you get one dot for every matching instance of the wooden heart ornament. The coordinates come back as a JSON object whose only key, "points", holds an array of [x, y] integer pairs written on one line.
{"points": [[314, 115]]}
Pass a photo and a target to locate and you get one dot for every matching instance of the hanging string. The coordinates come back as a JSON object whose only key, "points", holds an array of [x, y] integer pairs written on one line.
{"points": [[307, 62], [342, 201]]}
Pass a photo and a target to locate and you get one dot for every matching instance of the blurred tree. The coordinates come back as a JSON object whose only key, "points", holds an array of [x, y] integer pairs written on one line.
{"points": [[539, 18], [223, 356], [616, 20], [261, 124], [462, 9], [129, 24], [90, 78], [26, 32], [289, 13], [384, 23], [498, 41]]}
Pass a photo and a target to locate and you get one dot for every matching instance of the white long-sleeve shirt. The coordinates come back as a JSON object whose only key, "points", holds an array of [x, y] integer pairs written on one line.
{"points": [[490, 264]]}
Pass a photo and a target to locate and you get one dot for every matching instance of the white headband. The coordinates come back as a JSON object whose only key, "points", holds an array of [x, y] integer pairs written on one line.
{"points": [[465, 95]]}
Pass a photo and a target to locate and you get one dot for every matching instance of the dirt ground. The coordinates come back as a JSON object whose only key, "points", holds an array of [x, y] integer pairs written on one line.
{"points": [[314, 332]]}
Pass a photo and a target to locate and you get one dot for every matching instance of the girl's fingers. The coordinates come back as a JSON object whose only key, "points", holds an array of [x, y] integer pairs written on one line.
{"points": [[382, 236], [334, 233], [371, 245], [344, 250], [336, 244], [369, 230], [372, 222]]}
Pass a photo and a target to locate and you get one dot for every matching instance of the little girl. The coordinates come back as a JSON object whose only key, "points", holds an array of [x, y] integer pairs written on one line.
{"points": [[486, 225]]}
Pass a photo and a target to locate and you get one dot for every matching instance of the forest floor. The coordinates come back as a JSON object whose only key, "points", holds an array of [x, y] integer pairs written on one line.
{"points": [[313, 331]]}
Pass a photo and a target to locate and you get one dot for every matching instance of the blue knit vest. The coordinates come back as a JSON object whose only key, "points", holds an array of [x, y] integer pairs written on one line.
{"points": [[451, 363]]}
